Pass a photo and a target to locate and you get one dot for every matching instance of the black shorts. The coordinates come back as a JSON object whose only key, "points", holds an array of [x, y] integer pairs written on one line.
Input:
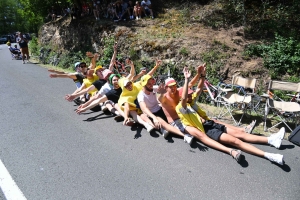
{"points": [[214, 130], [160, 113]]}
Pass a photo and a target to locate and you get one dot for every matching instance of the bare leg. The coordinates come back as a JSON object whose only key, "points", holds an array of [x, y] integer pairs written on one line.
{"points": [[170, 128], [231, 140], [247, 137], [137, 118], [242, 135], [117, 107], [109, 106], [208, 141], [146, 119]]}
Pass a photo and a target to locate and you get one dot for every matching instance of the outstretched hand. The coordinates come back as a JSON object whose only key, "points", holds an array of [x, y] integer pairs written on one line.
{"points": [[89, 54], [129, 62], [143, 72], [96, 56], [80, 110], [157, 62], [69, 97], [161, 88], [202, 69], [51, 70], [186, 72], [52, 75]]}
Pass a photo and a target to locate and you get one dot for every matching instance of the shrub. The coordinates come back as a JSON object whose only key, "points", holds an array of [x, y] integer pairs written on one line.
{"points": [[108, 50], [34, 46], [281, 57]]}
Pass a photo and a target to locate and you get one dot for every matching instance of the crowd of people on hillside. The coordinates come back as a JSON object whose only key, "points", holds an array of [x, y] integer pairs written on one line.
{"points": [[165, 108], [115, 10]]}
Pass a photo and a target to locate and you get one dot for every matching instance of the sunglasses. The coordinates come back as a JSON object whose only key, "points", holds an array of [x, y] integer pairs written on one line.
{"points": [[172, 86], [82, 66]]}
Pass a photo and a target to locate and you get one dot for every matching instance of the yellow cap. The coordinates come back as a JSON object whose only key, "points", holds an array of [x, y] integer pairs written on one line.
{"points": [[144, 79], [98, 67]]}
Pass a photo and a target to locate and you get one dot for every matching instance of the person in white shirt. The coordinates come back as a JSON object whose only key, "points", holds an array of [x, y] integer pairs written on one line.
{"points": [[149, 104]]}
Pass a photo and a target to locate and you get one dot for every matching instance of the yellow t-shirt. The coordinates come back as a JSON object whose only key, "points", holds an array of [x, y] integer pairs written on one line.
{"points": [[129, 96], [88, 82], [195, 105], [191, 115]]}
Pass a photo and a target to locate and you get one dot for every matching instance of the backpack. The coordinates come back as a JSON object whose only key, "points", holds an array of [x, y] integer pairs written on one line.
{"points": [[295, 136]]}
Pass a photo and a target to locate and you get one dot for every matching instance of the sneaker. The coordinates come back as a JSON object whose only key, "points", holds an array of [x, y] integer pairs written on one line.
{"points": [[276, 139], [149, 128], [152, 17], [280, 133], [77, 101], [164, 132], [276, 158], [137, 18], [188, 138], [23, 62], [119, 118], [104, 108]]}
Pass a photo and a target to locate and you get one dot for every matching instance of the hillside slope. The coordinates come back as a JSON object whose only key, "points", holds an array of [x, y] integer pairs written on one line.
{"points": [[176, 36]]}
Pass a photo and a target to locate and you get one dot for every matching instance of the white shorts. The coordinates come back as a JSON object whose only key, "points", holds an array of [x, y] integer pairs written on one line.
{"points": [[179, 125]]}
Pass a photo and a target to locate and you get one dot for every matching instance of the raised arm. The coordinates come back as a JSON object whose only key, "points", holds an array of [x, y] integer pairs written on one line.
{"points": [[184, 97], [157, 64], [201, 71], [139, 75], [113, 58], [194, 79], [94, 58], [132, 70]]}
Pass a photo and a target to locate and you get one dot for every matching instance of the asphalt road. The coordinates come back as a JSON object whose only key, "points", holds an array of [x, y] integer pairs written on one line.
{"points": [[52, 153]]}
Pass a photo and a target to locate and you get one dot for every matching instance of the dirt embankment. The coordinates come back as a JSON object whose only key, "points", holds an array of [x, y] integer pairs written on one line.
{"points": [[174, 36]]}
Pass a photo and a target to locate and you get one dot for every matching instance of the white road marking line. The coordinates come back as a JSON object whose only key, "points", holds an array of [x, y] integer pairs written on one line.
{"points": [[8, 185]]}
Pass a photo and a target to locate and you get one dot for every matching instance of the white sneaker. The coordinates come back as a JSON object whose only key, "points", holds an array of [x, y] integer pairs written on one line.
{"points": [[149, 128], [280, 133], [275, 139], [137, 18], [277, 158], [164, 132], [188, 138]]}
